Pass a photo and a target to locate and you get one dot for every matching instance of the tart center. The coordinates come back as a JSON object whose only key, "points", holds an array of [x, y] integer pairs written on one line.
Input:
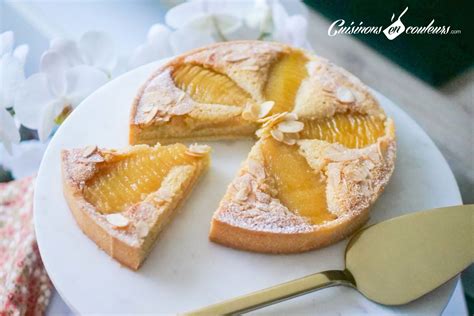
{"points": [[299, 188], [205, 85], [348, 129], [133, 177], [284, 81]]}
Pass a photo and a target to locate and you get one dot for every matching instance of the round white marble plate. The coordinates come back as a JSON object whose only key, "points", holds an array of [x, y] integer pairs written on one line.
{"points": [[186, 271]]}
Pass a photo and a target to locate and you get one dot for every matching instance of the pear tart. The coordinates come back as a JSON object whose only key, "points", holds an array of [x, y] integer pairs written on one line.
{"points": [[325, 147], [123, 199]]}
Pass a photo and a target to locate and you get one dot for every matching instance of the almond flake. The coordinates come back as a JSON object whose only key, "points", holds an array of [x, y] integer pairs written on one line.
{"points": [[95, 158], [247, 115], [265, 108], [236, 58], [165, 100], [290, 126], [164, 195], [118, 220], [151, 115], [250, 68], [181, 108], [241, 195], [291, 116], [198, 150], [277, 135], [273, 120], [148, 107], [344, 95], [289, 141], [360, 97], [260, 133], [165, 118], [328, 86], [250, 113], [142, 229], [181, 97], [88, 151], [256, 168]]}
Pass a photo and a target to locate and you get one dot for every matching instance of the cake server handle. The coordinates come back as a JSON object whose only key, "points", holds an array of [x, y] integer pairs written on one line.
{"points": [[278, 293]]}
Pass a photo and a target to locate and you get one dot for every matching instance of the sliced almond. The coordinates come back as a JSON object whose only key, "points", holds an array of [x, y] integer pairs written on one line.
{"points": [[88, 151], [142, 229], [165, 100], [236, 58], [256, 168], [250, 113], [241, 195], [151, 115], [290, 126], [250, 68], [148, 107], [117, 220], [273, 120], [265, 108], [289, 141], [359, 97], [164, 195], [247, 115], [329, 86], [277, 135], [260, 133], [272, 117], [181, 97], [165, 118], [291, 116], [94, 158], [344, 95], [198, 150], [181, 108]]}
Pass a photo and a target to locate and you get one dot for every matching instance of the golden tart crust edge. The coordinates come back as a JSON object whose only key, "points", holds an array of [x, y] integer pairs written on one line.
{"points": [[131, 245], [278, 230]]}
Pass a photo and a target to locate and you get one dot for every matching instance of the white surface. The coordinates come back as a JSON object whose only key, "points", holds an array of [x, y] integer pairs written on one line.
{"points": [[185, 270]]}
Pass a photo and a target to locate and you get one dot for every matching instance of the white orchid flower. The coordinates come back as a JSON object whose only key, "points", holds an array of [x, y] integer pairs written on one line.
{"points": [[94, 48], [25, 160], [12, 75], [47, 97], [8, 130], [209, 16], [156, 47], [289, 29], [188, 38], [260, 17]]}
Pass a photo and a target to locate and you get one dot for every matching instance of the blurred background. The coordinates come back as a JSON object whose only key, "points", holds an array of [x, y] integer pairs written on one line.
{"points": [[430, 77]]}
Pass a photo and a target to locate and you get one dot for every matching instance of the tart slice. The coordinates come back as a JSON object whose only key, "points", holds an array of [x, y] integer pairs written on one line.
{"points": [[295, 194], [123, 199]]}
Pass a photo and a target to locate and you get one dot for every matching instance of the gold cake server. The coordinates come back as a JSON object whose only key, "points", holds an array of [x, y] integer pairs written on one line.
{"points": [[392, 263]]}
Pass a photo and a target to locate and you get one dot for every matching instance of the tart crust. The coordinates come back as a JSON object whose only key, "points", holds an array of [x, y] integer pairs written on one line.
{"points": [[129, 245]]}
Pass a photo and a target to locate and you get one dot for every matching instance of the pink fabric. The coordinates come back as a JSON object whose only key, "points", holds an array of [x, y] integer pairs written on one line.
{"points": [[25, 288]]}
